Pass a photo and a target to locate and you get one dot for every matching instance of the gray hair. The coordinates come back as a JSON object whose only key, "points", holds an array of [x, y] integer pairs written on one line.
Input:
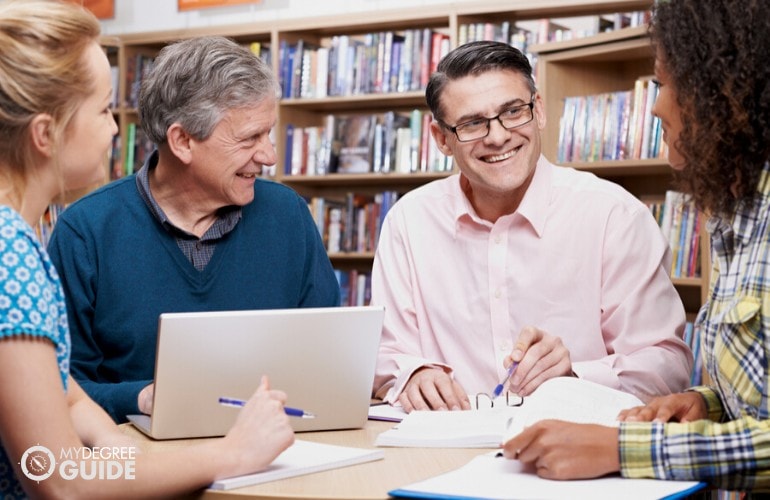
{"points": [[194, 82]]}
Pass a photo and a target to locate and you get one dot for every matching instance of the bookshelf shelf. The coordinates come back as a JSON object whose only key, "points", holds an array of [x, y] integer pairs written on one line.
{"points": [[652, 166], [635, 33], [367, 101]]}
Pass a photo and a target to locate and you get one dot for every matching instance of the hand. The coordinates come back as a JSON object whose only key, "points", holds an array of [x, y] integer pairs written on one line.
{"points": [[144, 400], [261, 431], [541, 356], [682, 407], [433, 389], [565, 450]]}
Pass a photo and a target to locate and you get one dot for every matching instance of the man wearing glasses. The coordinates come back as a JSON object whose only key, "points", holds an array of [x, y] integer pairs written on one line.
{"points": [[517, 260]]}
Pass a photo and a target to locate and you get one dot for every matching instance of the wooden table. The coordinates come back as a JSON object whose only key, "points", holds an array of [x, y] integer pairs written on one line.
{"points": [[372, 480]]}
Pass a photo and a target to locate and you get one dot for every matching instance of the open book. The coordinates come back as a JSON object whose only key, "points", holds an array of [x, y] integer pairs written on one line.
{"points": [[490, 476], [574, 400], [303, 457], [564, 398]]}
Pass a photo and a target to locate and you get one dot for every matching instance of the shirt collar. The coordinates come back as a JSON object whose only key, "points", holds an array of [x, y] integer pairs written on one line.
{"points": [[228, 217], [533, 207], [744, 219]]}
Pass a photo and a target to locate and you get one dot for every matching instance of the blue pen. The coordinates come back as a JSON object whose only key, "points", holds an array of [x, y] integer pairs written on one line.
{"points": [[292, 412], [499, 389]]}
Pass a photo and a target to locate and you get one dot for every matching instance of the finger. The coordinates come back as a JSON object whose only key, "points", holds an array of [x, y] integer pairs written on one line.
{"points": [[415, 395], [528, 336], [406, 404], [432, 397], [465, 402], [447, 393]]}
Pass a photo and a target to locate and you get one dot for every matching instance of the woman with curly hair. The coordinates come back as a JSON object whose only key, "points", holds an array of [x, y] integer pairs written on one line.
{"points": [[714, 106]]}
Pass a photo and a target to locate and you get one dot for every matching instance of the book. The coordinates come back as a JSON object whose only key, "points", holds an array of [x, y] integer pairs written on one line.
{"points": [[571, 399], [303, 457], [355, 134], [564, 398], [490, 476]]}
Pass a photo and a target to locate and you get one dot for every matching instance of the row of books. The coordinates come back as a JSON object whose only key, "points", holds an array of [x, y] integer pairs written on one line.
{"points": [[523, 34], [354, 144], [355, 287], [680, 223], [611, 126], [373, 63], [352, 223], [45, 226], [138, 148], [137, 68], [140, 64]]}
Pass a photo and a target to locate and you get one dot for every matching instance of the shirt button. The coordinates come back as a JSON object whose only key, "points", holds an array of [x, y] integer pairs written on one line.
{"points": [[198, 245], [498, 293], [497, 240], [504, 347]]}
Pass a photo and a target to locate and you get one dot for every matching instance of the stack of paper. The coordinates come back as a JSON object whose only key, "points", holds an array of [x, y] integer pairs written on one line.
{"points": [[450, 429]]}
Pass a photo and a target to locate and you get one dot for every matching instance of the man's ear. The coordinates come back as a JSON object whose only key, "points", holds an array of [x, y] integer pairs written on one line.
{"points": [[439, 135], [41, 133], [179, 142]]}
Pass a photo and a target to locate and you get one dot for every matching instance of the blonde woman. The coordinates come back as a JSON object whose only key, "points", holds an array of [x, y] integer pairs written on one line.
{"points": [[55, 129]]}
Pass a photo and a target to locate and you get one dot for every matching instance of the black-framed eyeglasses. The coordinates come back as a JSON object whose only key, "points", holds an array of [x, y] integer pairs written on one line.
{"points": [[478, 128]]}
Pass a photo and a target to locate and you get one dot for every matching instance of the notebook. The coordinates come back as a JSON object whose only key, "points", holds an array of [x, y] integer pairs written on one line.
{"points": [[303, 457], [323, 358]]}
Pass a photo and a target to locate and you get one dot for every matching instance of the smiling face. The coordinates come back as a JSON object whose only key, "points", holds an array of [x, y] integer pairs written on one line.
{"points": [[499, 167], [667, 109], [225, 166]]}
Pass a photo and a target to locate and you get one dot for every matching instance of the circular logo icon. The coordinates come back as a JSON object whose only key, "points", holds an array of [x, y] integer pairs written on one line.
{"points": [[38, 463]]}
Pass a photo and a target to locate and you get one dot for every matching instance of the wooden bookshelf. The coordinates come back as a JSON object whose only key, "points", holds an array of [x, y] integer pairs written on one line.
{"points": [[605, 62]]}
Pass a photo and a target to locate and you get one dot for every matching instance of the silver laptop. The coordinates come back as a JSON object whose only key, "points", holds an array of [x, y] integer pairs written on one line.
{"points": [[323, 358]]}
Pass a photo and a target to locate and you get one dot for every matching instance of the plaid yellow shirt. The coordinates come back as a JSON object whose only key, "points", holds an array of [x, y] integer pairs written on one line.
{"points": [[731, 449]]}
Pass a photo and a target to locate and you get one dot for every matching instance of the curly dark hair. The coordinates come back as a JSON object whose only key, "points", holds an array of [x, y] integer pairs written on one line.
{"points": [[716, 54]]}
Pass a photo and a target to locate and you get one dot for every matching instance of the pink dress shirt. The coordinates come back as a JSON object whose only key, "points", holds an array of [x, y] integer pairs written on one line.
{"points": [[581, 258]]}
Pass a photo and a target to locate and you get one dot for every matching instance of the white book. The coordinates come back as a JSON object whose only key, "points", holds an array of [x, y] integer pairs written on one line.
{"points": [[564, 398], [303, 457]]}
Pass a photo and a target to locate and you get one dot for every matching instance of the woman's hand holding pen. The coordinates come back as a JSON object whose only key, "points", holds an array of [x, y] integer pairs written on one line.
{"points": [[260, 433], [540, 356]]}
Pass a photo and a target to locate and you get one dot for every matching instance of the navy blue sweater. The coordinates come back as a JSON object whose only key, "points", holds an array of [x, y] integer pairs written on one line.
{"points": [[120, 269]]}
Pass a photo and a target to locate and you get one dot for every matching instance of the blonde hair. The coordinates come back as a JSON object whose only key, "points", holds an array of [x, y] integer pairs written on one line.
{"points": [[43, 69]]}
